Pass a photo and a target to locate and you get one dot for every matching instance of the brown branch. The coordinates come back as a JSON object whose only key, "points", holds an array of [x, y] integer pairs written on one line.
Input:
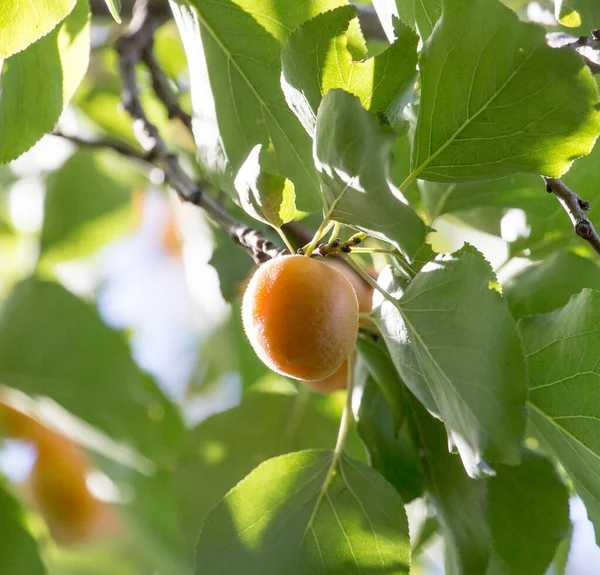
{"points": [[133, 47], [118, 146], [575, 208]]}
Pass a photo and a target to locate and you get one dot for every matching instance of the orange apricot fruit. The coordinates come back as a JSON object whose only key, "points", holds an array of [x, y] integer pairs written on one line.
{"points": [[301, 317], [364, 292], [339, 380], [60, 491]]}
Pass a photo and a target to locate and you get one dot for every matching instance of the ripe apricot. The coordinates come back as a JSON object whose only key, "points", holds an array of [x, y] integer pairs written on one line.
{"points": [[364, 292], [58, 483], [301, 317], [339, 380]]}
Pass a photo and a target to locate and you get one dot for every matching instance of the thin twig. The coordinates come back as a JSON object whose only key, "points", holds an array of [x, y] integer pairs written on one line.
{"points": [[575, 208], [133, 47], [161, 87], [118, 146]]}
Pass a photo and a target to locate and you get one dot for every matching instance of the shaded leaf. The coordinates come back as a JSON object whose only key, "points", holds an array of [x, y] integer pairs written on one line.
{"points": [[457, 349], [223, 449], [529, 514], [54, 345], [564, 396], [550, 284], [22, 22], [352, 156], [496, 100], [459, 500], [265, 196], [290, 515], [393, 453], [19, 553], [316, 59], [39, 82]]}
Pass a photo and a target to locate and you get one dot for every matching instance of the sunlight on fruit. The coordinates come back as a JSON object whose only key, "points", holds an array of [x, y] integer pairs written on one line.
{"points": [[301, 317]]}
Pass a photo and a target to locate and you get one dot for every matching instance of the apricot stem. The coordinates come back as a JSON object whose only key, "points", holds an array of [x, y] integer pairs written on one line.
{"points": [[285, 240], [325, 226], [335, 232], [364, 275], [399, 257], [346, 416]]}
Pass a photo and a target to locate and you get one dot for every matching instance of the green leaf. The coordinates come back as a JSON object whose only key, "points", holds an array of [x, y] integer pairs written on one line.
{"points": [[456, 347], [352, 156], [19, 553], [564, 396], [419, 14], [496, 100], [316, 59], [38, 83], [291, 515], [550, 284], [54, 345], [392, 452], [380, 365], [223, 449], [233, 49], [87, 202], [23, 22], [529, 514], [459, 500], [265, 196], [114, 7], [581, 16], [520, 191]]}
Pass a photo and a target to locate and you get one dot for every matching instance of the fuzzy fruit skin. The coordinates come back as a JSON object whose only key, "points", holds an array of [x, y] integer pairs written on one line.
{"points": [[364, 292], [301, 317], [339, 380]]}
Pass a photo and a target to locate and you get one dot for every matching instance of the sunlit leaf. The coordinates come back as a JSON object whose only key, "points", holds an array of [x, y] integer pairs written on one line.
{"points": [[22, 22], [496, 100], [39, 82], [316, 59], [292, 514]]}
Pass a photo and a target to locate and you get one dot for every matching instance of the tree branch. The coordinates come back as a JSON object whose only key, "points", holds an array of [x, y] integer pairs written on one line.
{"points": [[135, 46], [575, 208], [587, 48]]}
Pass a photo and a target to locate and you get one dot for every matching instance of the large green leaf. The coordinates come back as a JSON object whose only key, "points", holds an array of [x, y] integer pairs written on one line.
{"points": [[461, 502], [564, 396], [222, 450], [352, 156], [316, 59], [233, 48], [496, 100], [529, 515], [86, 202], [54, 345], [456, 346], [22, 22], [18, 550], [550, 284], [39, 82], [306, 513]]}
